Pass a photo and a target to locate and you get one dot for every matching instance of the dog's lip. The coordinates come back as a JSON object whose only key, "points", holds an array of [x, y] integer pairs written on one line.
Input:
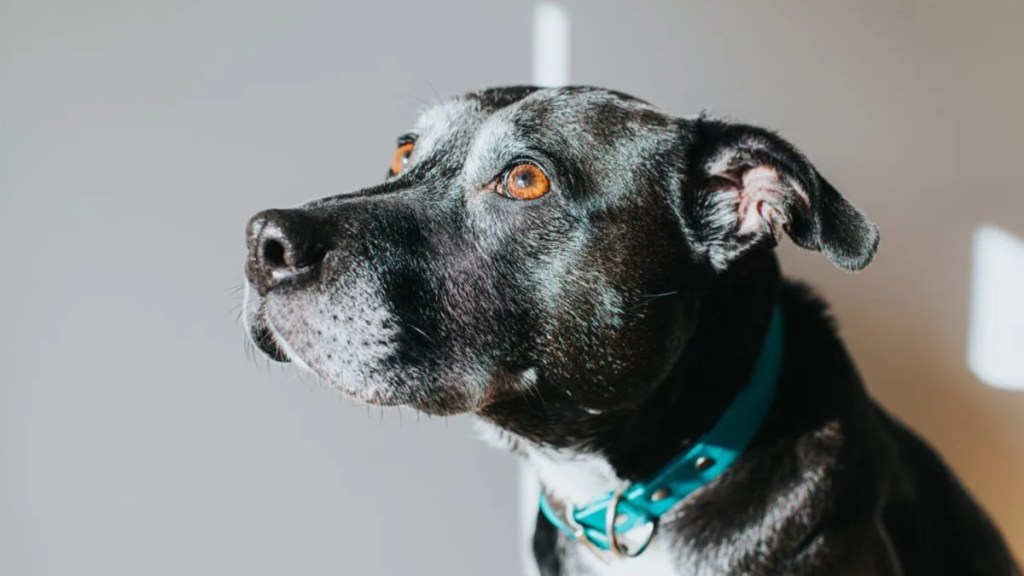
{"points": [[265, 340], [260, 332]]}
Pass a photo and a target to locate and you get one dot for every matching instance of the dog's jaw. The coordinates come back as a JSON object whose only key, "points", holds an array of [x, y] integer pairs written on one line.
{"points": [[347, 337], [345, 351]]}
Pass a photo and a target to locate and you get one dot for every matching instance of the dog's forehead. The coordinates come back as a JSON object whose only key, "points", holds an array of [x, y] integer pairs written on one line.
{"points": [[441, 120], [482, 128], [463, 115], [523, 103], [440, 115], [569, 105]]}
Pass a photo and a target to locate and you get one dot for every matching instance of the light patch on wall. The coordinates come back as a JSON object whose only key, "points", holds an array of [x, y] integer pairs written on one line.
{"points": [[550, 45], [995, 350]]}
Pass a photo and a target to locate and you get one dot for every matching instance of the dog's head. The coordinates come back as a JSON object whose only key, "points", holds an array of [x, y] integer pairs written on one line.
{"points": [[524, 234]]}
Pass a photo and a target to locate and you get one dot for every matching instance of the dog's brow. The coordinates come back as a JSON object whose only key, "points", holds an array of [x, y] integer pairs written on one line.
{"points": [[443, 114], [493, 142], [434, 123]]}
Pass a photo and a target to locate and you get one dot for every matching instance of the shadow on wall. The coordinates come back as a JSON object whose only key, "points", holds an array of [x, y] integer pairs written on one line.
{"points": [[967, 406]]}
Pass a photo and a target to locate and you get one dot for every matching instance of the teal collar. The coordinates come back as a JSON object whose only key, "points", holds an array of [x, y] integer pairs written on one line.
{"points": [[639, 506]]}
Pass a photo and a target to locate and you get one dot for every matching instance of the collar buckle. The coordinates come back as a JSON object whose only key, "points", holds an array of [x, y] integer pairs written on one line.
{"points": [[607, 545]]}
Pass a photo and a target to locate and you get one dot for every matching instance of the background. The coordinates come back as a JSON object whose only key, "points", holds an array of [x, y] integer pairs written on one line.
{"points": [[136, 139]]}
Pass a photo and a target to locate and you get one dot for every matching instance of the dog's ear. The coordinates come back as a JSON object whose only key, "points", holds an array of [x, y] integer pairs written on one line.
{"points": [[745, 186]]}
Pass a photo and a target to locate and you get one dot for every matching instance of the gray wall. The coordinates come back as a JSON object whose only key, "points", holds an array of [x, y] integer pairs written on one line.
{"points": [[137, 137]]}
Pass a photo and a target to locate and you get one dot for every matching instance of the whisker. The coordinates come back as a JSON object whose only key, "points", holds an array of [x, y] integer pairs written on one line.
{"points": [[650, 297], [660, 295], [305, 383], [437, 94], [410, 98], [417, 329]]}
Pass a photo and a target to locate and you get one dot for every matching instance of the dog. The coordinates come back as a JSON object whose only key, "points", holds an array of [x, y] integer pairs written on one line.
{"points": [[594, 279]]}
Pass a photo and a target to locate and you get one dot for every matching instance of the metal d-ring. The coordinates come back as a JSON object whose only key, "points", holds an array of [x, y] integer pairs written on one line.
{"points": [[613, 538], [580, 533]]}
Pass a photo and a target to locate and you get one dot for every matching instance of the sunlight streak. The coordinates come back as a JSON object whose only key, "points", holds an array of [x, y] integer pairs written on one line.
{"points": [[995, 349]]}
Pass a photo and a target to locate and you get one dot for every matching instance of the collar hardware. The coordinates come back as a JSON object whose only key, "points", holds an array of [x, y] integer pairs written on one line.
{"points": [[609, 525], [614, 519]]}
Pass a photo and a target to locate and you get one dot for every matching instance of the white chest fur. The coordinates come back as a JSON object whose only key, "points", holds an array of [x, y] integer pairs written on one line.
{"points": [[655, 561], [572, 478], [577, 479]]}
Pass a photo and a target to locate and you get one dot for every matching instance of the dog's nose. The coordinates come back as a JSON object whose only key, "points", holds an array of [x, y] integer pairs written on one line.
{"points": [[284, 248]]}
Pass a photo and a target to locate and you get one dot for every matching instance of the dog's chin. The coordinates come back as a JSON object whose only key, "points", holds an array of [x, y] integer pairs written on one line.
{"points": [[436, 406]]}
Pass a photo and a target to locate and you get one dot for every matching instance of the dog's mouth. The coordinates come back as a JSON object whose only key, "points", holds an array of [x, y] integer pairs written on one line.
{"points": [[351, 343], [265, 340], [260, 332]]}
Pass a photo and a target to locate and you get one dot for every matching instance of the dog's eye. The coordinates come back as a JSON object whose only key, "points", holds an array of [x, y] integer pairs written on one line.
{"points": [[401, 159], [525, 182]]}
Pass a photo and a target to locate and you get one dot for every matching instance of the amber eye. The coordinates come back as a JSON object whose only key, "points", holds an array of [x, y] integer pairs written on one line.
{"points": [[401, 159], [525, 182]]}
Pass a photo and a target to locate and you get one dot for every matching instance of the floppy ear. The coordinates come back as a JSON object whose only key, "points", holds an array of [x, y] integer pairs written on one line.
{"points": [[746, 186]]}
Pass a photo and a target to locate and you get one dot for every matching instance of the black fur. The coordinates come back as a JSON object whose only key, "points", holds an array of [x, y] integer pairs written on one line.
{"points": [[618, 316]]}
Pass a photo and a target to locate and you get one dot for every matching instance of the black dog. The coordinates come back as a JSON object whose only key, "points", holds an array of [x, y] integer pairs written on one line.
{"points": [[594, 279]]}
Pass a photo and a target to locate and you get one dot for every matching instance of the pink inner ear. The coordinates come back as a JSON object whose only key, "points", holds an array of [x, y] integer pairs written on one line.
{"points": [[762, 201]]}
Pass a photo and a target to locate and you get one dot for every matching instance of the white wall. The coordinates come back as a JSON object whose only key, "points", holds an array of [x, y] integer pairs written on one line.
{"points": [[137, 138]]}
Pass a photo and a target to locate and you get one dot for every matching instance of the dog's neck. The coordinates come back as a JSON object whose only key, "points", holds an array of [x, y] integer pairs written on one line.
{"points": [[580, 454]]}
